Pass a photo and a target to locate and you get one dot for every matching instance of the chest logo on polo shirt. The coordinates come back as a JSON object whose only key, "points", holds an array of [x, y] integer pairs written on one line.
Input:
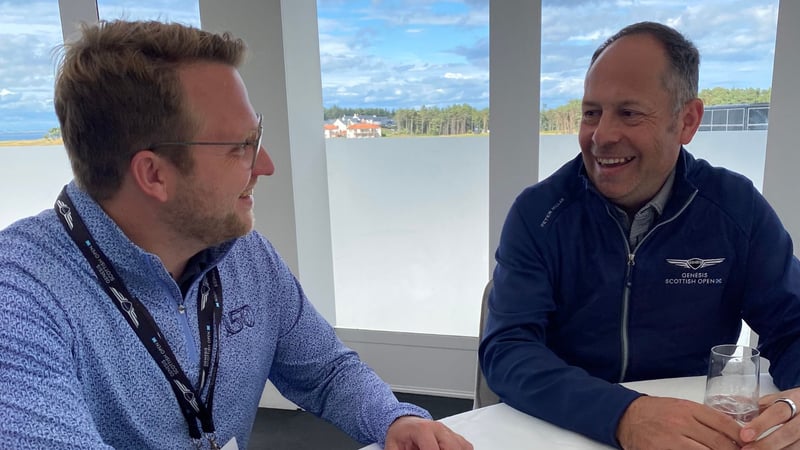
{"points": [[695, 263], [237, 319], [693, 276]]}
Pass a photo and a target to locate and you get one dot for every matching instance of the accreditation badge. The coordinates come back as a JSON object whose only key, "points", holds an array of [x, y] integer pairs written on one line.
{"points": [[231, 445]]}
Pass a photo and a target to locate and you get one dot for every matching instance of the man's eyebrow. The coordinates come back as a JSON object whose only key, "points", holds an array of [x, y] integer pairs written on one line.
{"points": [[616, 104]]}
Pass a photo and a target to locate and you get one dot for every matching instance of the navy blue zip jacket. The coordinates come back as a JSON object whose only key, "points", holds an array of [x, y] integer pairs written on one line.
{"points": [[574, 310]]}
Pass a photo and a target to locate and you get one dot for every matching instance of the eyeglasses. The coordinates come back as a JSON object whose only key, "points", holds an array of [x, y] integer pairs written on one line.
{"points": [[251, 145]]}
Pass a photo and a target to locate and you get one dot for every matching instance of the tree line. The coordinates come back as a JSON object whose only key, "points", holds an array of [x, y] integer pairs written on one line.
{"points": [[453, 120], [465, 119], [425, 121], [566, 119]]}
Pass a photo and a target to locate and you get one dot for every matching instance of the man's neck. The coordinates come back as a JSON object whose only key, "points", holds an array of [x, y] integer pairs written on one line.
{"points": [[141, 225]]}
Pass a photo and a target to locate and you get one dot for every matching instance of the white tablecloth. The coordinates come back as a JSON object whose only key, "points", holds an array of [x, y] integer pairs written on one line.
{"points": [[501, 427]]}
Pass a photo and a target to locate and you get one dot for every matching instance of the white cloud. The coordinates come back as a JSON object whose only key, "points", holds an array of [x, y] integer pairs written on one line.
{"points": [[591, 37], [435, 52]]}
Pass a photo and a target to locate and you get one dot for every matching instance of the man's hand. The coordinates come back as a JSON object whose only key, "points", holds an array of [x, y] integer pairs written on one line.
{"points": [[416, 433], [774, 414], [656, 423]]}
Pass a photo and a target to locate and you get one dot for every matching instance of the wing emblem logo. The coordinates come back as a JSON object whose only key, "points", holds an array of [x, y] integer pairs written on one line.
{"points": [[695, 263]]}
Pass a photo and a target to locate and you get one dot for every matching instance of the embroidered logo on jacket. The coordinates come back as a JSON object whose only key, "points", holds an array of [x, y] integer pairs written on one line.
{"points": [[693, 276], [695, 263], [237, 319], [550, 213]]}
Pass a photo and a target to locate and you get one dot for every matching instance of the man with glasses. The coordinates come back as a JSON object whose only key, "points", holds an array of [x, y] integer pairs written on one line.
{"points": [[248, 148], [143, 311]]}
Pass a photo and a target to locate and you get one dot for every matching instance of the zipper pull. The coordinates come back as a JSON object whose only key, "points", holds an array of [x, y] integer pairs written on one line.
{"points": [[181, 308], [630, 259]]}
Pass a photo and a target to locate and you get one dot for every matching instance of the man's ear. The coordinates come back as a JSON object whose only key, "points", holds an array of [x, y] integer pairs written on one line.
{"points": [[151, 174], [690, 118]]}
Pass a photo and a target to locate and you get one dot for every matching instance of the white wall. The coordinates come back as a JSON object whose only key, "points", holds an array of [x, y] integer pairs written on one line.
{"points": [[783, 159]]}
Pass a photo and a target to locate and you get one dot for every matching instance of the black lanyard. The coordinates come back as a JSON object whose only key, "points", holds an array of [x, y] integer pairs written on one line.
{"points": [[209, 317]]}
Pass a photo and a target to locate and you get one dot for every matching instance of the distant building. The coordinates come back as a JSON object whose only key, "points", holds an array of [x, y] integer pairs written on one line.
{"points": [[332, 131], [355, 127], [383, 121], [754, 116], [363, 130]]}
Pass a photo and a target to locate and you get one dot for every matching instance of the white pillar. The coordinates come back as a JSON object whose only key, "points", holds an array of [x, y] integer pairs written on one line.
{"points": [[515, 36], [74, 13], [783, 160]]}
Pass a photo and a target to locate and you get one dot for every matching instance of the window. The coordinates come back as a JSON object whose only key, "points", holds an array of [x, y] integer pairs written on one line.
{"points": [[30, 150], [387, 275], [735, 118], [30, 146], [408, 214], [758, 118], [736, 41]]}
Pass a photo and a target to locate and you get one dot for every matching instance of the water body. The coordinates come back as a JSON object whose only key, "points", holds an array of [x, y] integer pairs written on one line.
{"points": [[22, 135]]}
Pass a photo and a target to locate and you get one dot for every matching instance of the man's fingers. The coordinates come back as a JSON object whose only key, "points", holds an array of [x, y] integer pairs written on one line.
{"points": [[786, 436], [726, 428], [772, 414], [415, 433]]}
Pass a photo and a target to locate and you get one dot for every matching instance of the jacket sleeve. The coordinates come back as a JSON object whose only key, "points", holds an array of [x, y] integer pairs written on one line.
{"points": [[41, 400], [514, 356], [314, 369], [771, 304]]}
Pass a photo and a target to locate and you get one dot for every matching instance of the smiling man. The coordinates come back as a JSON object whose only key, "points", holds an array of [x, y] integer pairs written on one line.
{"points": [[633, 260], [143, 311]]}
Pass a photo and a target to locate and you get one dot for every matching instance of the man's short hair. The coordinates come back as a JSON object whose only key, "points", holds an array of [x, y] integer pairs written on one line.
{"points": [[681, 79], [117, 91]]}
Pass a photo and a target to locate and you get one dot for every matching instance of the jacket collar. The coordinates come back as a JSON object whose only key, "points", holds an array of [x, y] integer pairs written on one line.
{"points": [[682, 189], [131, 262]]}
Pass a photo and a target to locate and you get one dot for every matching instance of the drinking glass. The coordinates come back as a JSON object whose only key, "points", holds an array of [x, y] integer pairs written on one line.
{"points": [[732, 383]]}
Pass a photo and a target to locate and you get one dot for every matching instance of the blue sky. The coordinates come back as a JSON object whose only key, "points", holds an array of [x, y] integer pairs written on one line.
{"points": [[406, 54], [395, 53]]}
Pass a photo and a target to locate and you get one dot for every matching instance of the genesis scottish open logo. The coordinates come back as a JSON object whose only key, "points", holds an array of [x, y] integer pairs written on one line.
{"points": [[695, 263], [693, 276]]}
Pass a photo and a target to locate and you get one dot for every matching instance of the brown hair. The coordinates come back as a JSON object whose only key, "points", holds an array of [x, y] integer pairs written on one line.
{"points": [[681, 79], [117, 91]]}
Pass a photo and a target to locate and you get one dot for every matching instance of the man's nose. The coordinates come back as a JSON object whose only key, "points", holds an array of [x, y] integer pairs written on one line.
{"points": [[607, 131], [263, 165]]}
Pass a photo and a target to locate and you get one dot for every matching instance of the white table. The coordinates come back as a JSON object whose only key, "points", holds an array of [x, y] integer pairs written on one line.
{"points": [[503, 427]]}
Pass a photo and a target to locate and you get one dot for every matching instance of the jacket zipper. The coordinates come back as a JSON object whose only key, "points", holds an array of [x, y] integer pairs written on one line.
{"points": [[626, 294], [192, 352]]}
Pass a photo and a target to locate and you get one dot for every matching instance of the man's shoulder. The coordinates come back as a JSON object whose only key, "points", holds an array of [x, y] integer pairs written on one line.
{"points": [[36, 234], [251, 243], [544, 201], [254, 250], [37, 261], [710, 176], [727, 189], [728, 193]]}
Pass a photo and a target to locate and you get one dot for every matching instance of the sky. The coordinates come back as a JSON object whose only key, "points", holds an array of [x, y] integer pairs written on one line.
{"points": [[412, 53]]}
